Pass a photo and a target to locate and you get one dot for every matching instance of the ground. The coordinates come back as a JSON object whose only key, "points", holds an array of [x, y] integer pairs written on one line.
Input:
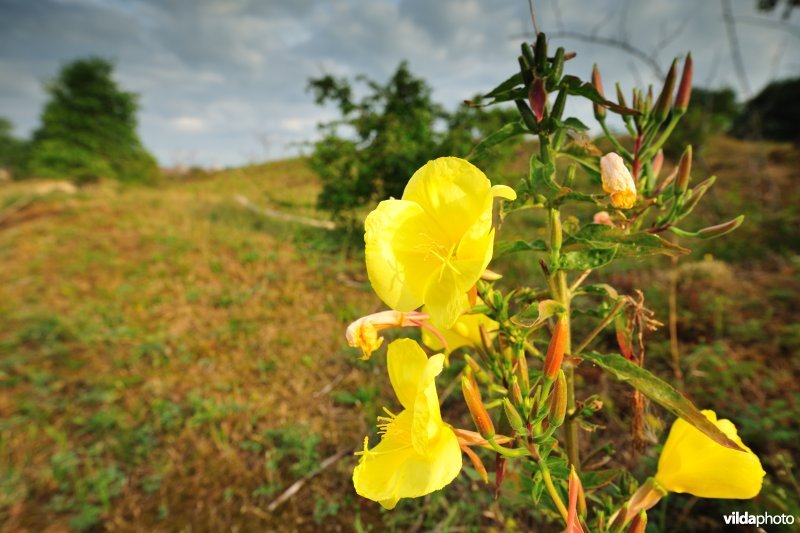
{"points": [[170, 360]]}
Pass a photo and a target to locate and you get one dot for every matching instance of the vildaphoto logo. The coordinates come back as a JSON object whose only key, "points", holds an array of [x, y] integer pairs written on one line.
{"points": [[763, 519]]}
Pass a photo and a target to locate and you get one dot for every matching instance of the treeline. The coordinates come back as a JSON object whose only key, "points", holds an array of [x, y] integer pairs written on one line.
{"points": [[87, 131]]}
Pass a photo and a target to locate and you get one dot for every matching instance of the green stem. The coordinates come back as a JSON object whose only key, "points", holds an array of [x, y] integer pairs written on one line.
{"points": [[551, 489], [621, 149], [596, 331]]}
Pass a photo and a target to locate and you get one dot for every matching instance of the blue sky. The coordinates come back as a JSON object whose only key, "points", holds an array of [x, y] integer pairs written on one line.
{"points": [[223, 82]]}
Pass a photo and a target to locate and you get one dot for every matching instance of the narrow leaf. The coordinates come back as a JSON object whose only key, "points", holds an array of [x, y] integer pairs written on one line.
{"points": [[541, 178], [587, 259], [630, 244], [511, 129], [660, 392], [509, 247], [536, 313]]}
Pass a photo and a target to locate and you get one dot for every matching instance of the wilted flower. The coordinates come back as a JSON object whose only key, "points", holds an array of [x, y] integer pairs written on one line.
{"points": [[602, 217], [692, 462], [363, 333], [418, 452], [617, 181], [431, 246]]}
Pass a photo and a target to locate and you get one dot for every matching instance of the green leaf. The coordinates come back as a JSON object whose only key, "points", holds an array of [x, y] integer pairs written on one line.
{"points": [[510, 247], [574, 124], [587, 259], [575, 86], [510, 83], [511, 129], [600, 236], [535, 314], [541, 178], [660, 392], [603, 289]]}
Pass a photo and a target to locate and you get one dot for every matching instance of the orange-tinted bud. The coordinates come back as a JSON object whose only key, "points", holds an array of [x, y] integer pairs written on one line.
{"points": [[664, 102], [720, 229], [685, 87], [472, 395], [555, 351], [639, 523], [684, 169], [599, 111], [477, 371], [658, 162], [516, 391], [476, 463], [522, 371], [490, 275]]}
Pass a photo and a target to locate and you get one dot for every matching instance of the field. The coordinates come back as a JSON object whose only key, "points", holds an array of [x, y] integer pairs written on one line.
{"points": [[170, 360]]}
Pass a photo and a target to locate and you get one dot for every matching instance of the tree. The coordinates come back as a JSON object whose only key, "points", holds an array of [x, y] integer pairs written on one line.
{"points": [[710, 112], [380, 140], [772, 114], [12, 150], [88, 128]]}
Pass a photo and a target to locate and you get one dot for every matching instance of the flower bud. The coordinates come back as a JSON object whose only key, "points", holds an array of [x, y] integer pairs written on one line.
{"points": [[531, 121], [624, 336], [620, 96], [527, 54], [599, 111], [363, 333], [561, 100], [685, 87], [514, 419], [720, 229], [525, 70], [619, 519], [558, 401], [516, 391], [483, 422], [555, 351], [657, 162], [537, 97], [476, 369], [558, 65], [639, 523], [490, 275], [664, 103], [617, 181], [684, 169], [522, 371], [540, 52], [499, 471]]}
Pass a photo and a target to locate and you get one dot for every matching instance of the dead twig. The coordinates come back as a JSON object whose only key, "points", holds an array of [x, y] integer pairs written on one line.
{"points": [[295, 487]]}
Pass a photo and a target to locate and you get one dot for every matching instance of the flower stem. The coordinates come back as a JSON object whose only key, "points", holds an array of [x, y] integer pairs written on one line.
{"points": [[551, 489]]}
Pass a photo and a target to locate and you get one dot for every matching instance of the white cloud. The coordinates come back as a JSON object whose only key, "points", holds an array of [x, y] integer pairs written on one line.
{"points": [[188, 124]]}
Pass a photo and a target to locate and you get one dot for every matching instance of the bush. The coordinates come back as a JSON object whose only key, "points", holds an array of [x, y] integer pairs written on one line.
{"points": [[772, 114], [710, 112]]}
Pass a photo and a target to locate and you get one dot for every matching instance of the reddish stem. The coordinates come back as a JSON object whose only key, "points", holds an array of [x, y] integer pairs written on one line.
{"points": [[636, 163]]}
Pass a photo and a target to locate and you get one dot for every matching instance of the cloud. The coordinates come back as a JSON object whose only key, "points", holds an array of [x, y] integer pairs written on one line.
{"points": [[188, 124], [216, 77]]}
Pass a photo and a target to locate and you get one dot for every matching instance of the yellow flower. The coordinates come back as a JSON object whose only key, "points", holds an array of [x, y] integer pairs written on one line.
{"points": [[431, 246], [418, 453], [692, 462], [617, 181], [465, 332]]}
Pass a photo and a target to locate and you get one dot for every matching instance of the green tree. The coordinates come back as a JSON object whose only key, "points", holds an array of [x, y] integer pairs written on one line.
{"points": [[88, 128], [13, 151], [382, 138], [772, 114]]}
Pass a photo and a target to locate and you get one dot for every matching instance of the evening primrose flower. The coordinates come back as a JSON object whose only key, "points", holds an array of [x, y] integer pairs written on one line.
{"points": [[692, 462], [617, 181], [465, 332], [363, 333], [431, 246], [418, 452]]}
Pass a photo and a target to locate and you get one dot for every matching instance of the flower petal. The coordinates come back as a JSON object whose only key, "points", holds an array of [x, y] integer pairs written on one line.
{"points": [[407, 364], [398, 244], [452, 191], [427, 418], [692, 462], [465, 332]]}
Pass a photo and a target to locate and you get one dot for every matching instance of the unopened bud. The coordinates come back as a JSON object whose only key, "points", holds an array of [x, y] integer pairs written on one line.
{"points": [[525, 70], [516, 391], [639, 523], [576, 490], [657, 163], [527, 115], [685, 87], [476, 463], [684, 169], [664, 103], [624, 336], [514, 419], [555, 351], [620, 96], [558, 401], [527, 54], [522, 371], [561, 100], [599, 111], [540, 52], [558, 65], [648, 101], [476, 369], [720, 229], [490, 275], [617, 181], [472, 396], [537, 97], [697, 194]]}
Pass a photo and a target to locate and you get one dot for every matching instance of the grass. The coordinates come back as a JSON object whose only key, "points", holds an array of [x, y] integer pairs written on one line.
{"points": [[165, 353]]}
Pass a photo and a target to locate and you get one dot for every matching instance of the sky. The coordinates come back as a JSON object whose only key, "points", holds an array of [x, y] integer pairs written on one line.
{"points": [[223, 82]]}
